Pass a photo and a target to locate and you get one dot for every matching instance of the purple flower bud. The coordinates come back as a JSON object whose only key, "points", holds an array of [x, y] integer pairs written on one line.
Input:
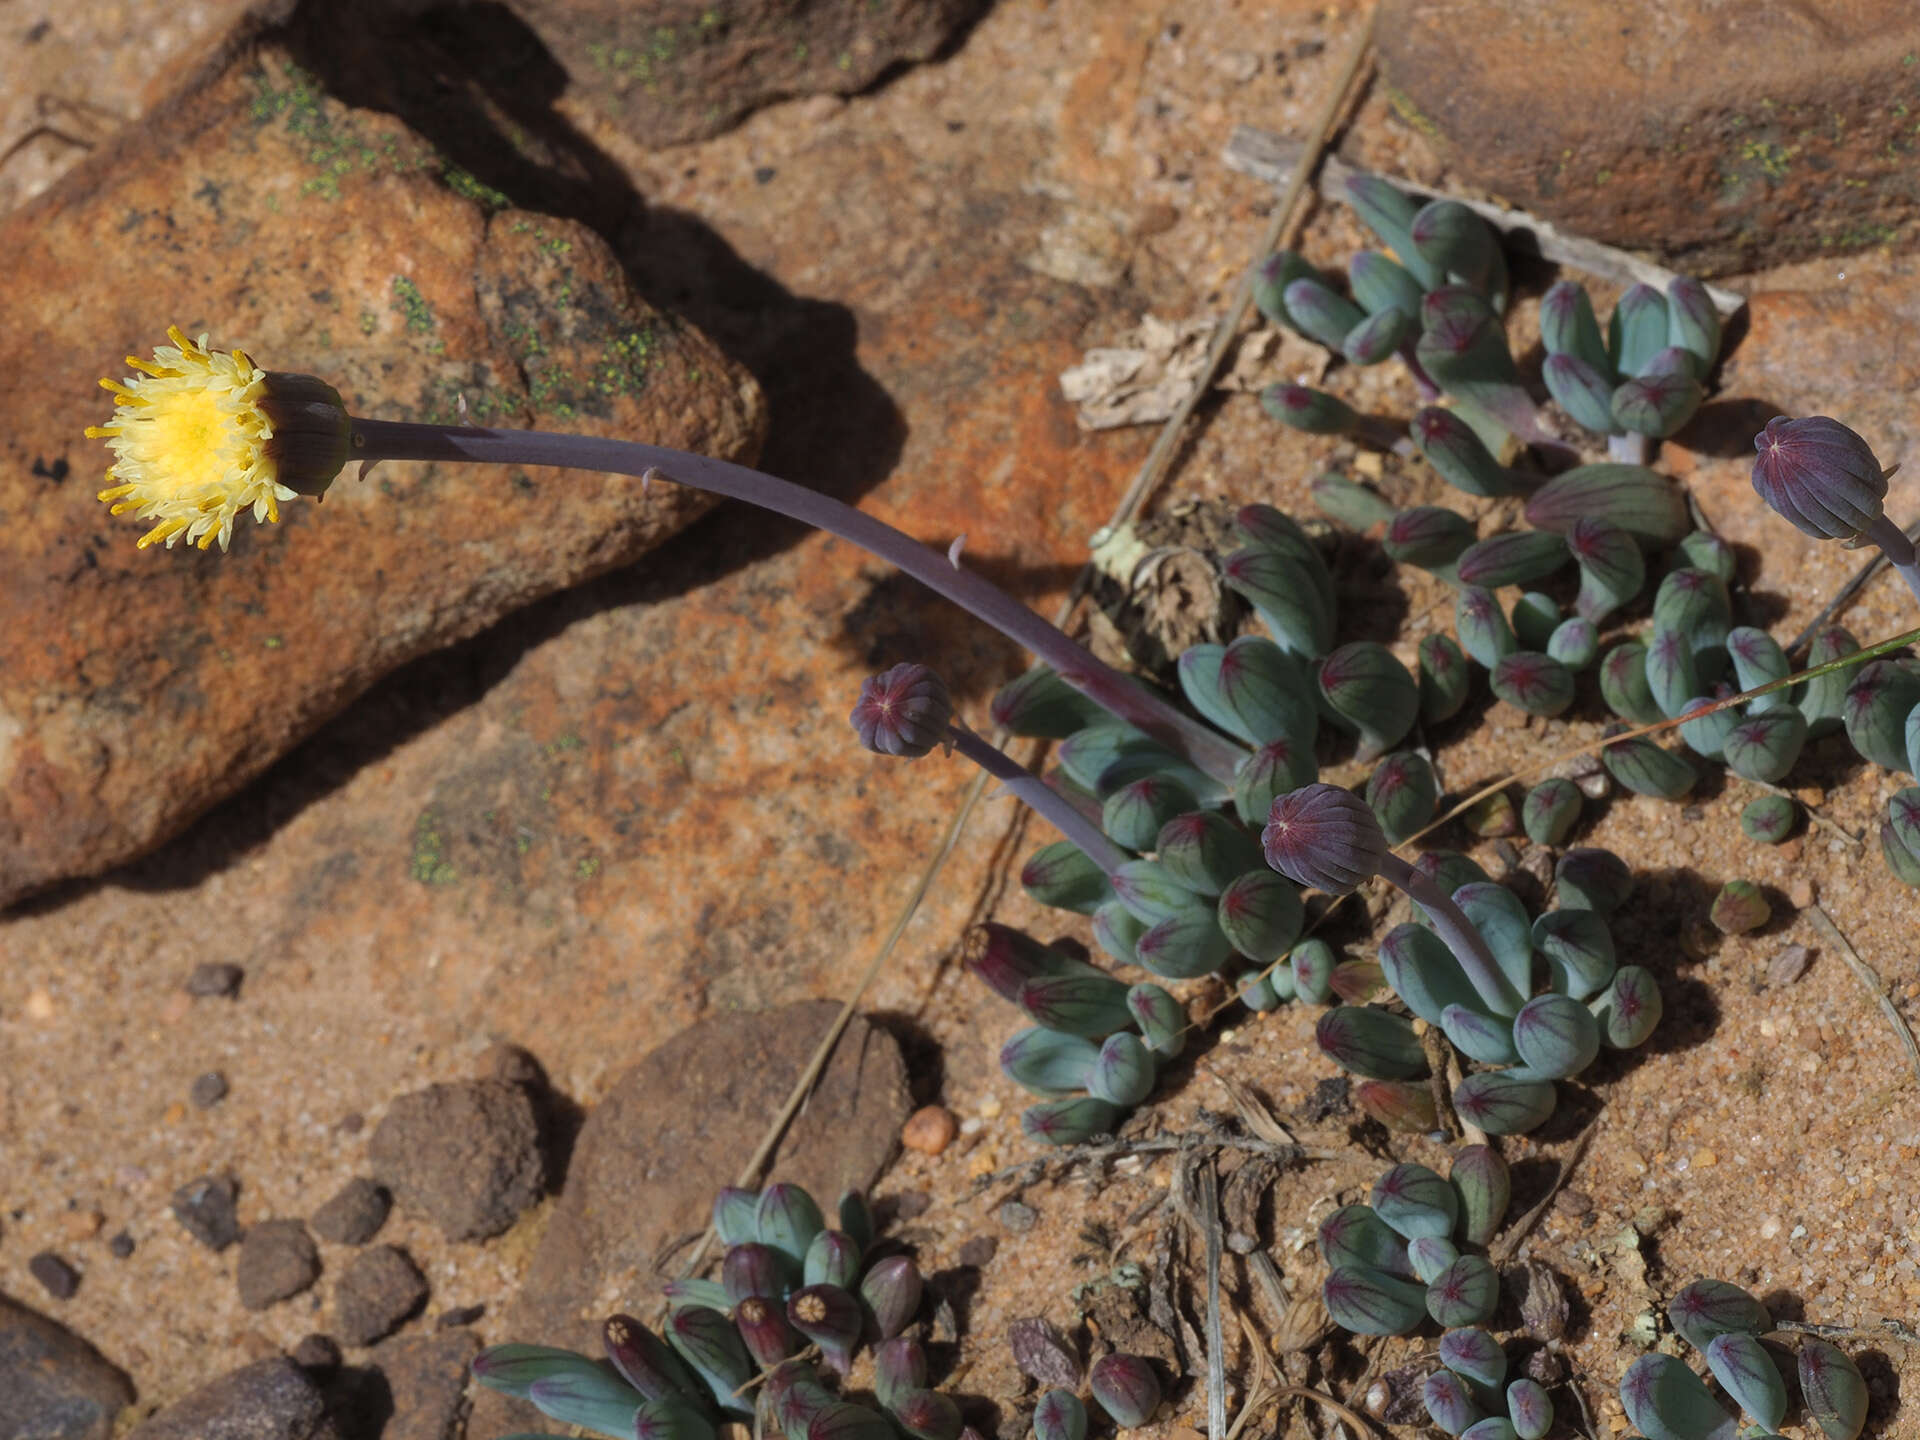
{"points": [[1835, 1392], [1429, 536], [1375, 1044], [1465, 1293], [756, 1269], [1404, 1106], [1414, 1201], [1479, 1178], [832, 1259], [927, 1415], [1126, 1388], [1630, 496], [1324, 838], [1746, 1372], [764, 1328], [1821, 477], [1069, 1122], [1371, 1302], [830, 1317], [1060, 1416], [904, 711]]}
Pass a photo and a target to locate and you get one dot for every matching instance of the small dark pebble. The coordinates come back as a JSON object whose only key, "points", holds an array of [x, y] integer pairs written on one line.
{"points": [[1332, 1096], [316, 1354], [352, 1123], [208, 1090], [912, 1205], [1017, 1217], [763, 174], [354, 1215], [504, 1060], [1042, 1352], [211, 980], [121, 1246], [376, 1294], [56, 1276], [978, 1250], [1572, 1202], [464, 1315], [277, 1262], [1693, 813], [204, 1207], [1307, 49]]}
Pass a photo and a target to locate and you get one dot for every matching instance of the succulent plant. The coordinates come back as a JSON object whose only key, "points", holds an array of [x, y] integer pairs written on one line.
{"points": [[1467, 1395], [1398, 1259], [1667, 1400], [763, 1310]]}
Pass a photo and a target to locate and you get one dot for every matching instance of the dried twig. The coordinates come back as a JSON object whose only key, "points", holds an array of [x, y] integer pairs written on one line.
{"points": [[1285, 216], [1523, 1227], [1209, 1215], [1276, 159], [1361, 1425], [1888, 1328], [1098, 1151], [1870, 978]]}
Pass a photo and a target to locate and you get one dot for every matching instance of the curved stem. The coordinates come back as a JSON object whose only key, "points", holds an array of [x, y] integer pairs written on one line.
{"points": [[1451, 925], [392, 440], [1049, 804], [1898, 549]]}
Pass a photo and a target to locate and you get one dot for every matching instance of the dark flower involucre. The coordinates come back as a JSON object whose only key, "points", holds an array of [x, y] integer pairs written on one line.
{"points": [[904, 711], [1323, 837], [1820, 476]]}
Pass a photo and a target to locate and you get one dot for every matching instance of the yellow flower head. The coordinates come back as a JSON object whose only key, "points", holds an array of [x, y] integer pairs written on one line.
{"points": [[200, 435]]}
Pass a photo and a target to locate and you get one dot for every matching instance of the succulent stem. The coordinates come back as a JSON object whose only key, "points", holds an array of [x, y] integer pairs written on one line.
{"points": [[394, 440], [1629, 447], [1040, 797], [1898, 549], [1452, 926]]}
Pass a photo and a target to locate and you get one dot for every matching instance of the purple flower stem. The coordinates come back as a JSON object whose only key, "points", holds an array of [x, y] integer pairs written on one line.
{"points": [[1451, 925], [1049, 804], [1204, 748], [1898, 549]]}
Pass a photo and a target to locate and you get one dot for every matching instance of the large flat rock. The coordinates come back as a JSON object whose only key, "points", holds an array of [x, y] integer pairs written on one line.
{"points": [[1725, 137], [139, 687], [670, 1133]]}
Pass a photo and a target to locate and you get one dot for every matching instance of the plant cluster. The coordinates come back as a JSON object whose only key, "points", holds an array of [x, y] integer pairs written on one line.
{"points": [[1470, 1395], [1667, 1400], [1398, 1259], [787, 1282]]}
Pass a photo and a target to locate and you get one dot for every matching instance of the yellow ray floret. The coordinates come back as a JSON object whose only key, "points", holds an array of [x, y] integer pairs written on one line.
{"points": [[190, 437]]}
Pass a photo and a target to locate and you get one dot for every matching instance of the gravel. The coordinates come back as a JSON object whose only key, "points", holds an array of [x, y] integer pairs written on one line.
{"points": [[354, 1215], [376, 1293], [277, 1261], [215, 980], [465, 1155], [207, 1090], [56, 1276], [205, 1208]]}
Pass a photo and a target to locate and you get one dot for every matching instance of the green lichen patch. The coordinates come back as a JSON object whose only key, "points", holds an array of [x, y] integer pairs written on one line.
{"points": [[429, 864], [412, 306]]}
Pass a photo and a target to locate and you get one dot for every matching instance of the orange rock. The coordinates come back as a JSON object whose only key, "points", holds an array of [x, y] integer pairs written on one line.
{"points": [[930, 1129]]}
